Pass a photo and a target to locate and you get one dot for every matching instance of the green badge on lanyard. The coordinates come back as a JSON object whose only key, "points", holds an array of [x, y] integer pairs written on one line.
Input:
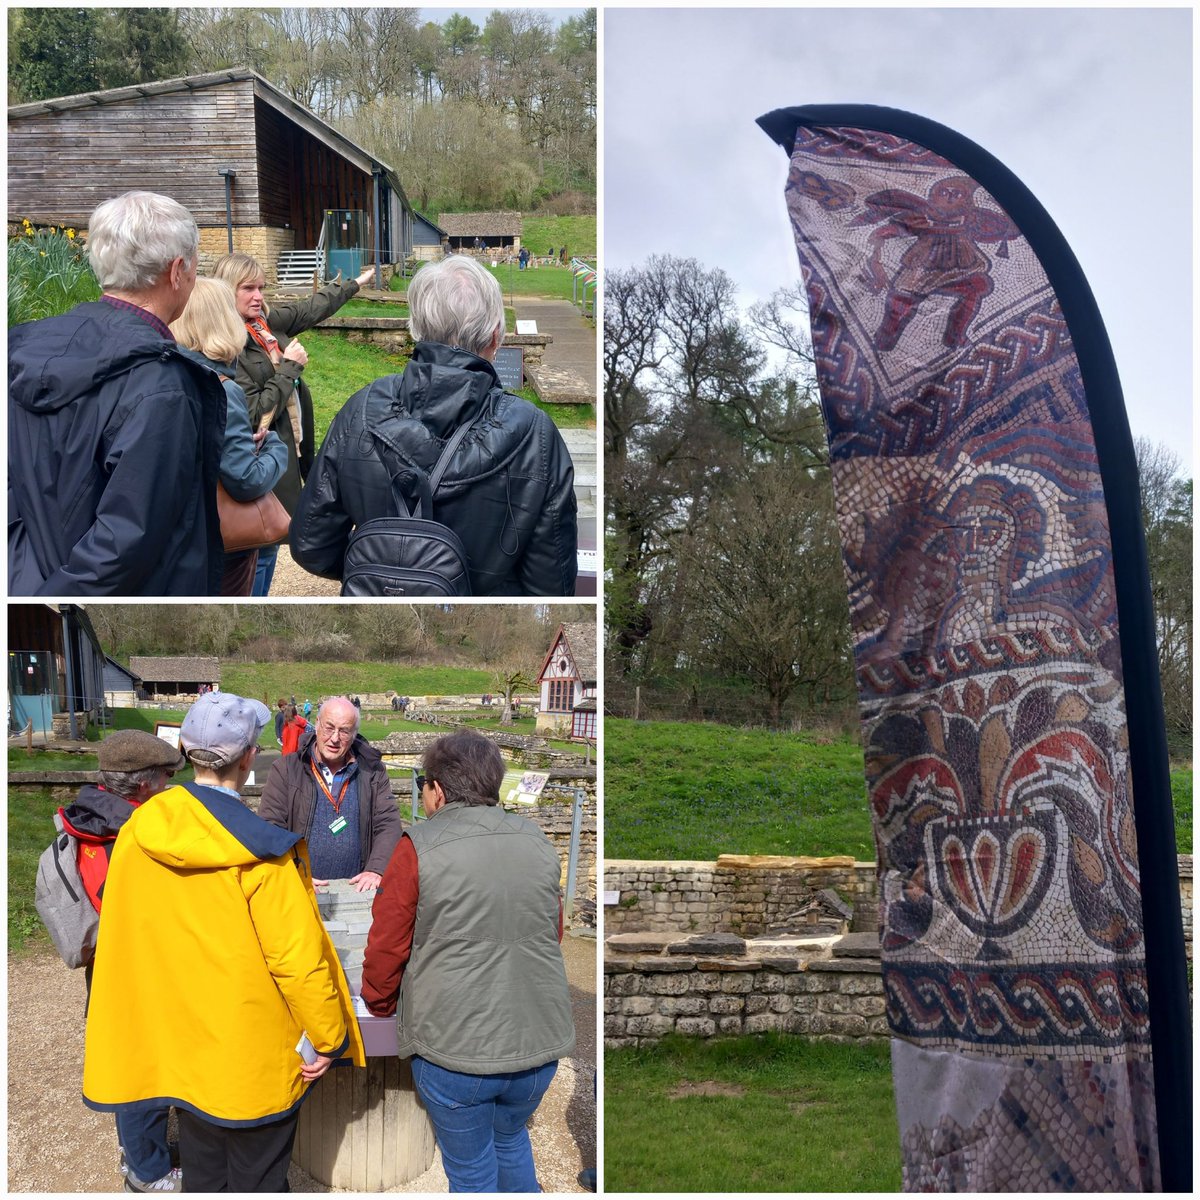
{"points": [[337, 824]]}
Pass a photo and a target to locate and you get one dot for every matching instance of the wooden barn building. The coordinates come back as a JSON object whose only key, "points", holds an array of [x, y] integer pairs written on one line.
{"points": [[430, 241], [494, 230], [55, 670], [176, 678], [247, 161], [122, 687], [567, 684]]}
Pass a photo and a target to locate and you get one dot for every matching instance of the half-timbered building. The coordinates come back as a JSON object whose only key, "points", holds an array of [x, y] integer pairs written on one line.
{"points": [[567, 683]]}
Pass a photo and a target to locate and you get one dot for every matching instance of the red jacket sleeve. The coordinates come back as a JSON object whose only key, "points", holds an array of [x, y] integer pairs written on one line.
{"points": [[389, 943]]}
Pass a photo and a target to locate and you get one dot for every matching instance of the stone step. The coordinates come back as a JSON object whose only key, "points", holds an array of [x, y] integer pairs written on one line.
{"points": [[857, 945]]}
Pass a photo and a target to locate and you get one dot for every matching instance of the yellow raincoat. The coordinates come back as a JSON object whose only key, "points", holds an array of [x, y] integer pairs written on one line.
{"points": [[211, 961]]}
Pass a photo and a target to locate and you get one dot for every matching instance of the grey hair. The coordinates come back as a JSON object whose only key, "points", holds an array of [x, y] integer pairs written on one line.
{"points": [[341, 700], [133, 238], [126, 783], [455, 302]]}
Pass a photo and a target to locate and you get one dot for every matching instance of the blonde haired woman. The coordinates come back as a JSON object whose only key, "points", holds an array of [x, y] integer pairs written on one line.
{"points": [[270, 371], [211, 329]]}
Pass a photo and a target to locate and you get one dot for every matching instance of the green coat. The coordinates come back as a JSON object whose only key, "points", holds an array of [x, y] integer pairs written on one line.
{"points": [[267, 387]]}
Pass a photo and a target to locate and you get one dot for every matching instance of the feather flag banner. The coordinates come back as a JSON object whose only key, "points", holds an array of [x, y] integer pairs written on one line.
{"points": [[988, 507]]}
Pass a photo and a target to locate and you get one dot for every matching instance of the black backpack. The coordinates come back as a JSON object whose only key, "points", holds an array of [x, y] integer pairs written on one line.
{"points": [[407, 554]]}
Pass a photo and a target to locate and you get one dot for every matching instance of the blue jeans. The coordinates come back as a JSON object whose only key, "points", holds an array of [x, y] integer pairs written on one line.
{"points": [[265, 571], [143, 1137], [479, 1122]]}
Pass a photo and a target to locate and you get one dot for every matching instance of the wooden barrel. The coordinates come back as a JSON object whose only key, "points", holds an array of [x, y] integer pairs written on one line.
{"points": [[364, 1130]]}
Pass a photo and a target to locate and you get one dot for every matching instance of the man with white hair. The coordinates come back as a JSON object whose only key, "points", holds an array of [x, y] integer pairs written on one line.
{"points": [[114, 435], [507, 489], [335, 793]]}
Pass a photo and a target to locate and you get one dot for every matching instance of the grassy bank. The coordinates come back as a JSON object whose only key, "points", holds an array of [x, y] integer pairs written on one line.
{"points": [[694, 791], [767, 1114], [313, 679], [578, 234]]}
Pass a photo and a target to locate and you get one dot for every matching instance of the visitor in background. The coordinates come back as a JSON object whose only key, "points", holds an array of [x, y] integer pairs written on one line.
{"points": [[293, 726]]}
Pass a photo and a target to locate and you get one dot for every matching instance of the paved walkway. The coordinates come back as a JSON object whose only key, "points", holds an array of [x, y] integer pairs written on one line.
{"points": [[574, 346]]}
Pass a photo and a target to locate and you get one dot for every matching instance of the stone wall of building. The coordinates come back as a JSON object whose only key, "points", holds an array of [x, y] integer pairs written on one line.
{"points": [[742, 894], [262, 241], [649, 996]]}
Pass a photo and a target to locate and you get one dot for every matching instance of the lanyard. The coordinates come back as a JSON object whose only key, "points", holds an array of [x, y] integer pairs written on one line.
{"points": [[337, 804]]}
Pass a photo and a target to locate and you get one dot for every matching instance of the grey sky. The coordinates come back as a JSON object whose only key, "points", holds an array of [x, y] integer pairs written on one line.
{"points": [[1091, 108]]}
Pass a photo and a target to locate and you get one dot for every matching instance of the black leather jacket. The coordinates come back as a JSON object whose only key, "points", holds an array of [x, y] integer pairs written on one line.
{"points": [[508, 492]]}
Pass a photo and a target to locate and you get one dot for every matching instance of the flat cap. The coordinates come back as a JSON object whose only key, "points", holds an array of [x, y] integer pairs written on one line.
{"points": [[135, 750]]}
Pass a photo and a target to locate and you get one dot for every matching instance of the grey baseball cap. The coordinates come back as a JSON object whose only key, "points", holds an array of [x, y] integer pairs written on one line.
{"points": [[223, 725]]}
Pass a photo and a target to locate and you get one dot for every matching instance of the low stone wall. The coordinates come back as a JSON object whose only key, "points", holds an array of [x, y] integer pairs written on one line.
{"points": [[774, 988], [742, 894], [391, 333]]}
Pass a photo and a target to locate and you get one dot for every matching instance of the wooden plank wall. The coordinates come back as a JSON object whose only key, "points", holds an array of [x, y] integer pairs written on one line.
{"points": [[301, 177], [61, 165]]}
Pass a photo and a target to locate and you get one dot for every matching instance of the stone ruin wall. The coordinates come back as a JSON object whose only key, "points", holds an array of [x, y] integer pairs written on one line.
{"points": [[646, 997], [738, 894], [662, 976]]}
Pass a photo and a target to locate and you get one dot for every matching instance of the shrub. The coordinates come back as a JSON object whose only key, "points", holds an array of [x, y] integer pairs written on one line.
{"points": [[48, 274]]}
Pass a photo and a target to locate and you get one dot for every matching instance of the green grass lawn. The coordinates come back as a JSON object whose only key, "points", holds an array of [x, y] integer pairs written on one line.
{"points": [[1181, 795], [371, 308], [694, 791], [578, 234], [750, 1114], [313, 679], [553, 283], [337, 368], [30, 829]]}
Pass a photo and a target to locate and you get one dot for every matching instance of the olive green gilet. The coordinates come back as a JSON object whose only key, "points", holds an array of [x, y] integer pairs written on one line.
{"points": [[485, 990]]}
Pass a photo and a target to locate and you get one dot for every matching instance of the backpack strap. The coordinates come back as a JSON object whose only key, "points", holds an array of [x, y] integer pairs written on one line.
{"points": [[427, 484]]}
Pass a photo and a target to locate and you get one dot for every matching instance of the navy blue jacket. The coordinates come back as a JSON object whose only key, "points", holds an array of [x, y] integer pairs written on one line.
{"points": [[508, 492], [114, 446]]}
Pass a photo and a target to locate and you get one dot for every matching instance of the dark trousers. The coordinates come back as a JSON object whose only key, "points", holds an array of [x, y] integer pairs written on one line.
{"points": [[216, 1158]]}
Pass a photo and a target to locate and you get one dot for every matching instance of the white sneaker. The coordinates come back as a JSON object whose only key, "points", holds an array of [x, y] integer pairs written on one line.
{"points": [[172, 1181]]}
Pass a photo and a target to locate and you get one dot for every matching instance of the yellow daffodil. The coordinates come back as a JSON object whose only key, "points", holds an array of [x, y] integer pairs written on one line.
{"points": [[70, 233]]}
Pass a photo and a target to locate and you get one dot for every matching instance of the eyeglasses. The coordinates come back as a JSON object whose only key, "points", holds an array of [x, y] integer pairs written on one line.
{"points": [[330, 730], [422, 780]]}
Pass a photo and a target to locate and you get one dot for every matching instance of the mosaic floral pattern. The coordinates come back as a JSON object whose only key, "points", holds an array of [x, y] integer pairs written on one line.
{"points": [[978, 561]]}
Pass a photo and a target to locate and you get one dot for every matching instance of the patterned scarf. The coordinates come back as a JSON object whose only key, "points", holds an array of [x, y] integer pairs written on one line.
{"points": [[260, 331]]}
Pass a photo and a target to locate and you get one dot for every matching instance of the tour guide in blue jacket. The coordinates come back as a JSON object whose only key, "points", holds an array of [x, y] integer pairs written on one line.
{"points": [[114, 436]]}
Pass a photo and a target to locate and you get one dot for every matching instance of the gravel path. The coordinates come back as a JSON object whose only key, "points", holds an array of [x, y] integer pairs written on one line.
{"points": [[57, 1144]]}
